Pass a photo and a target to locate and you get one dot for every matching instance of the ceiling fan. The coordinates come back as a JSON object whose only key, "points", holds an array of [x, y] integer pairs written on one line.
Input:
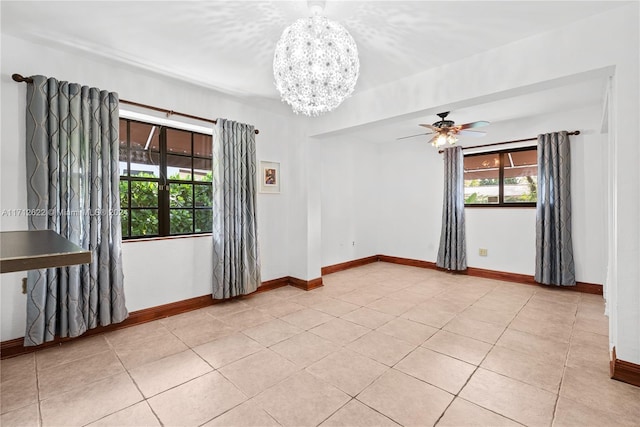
{"points": [[446, 131]]}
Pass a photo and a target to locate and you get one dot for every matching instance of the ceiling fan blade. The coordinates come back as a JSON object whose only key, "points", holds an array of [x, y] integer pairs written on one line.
{"points": [[475, 133], [413, 136], [433, 128], [477, 124]]}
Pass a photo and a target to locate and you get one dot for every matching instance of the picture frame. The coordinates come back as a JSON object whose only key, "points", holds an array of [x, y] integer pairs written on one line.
{"points": [[269, 177]]}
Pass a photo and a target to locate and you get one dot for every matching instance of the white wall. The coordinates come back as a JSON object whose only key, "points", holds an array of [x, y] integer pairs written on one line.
{"points": [[305, 209], [509, 234], [350, 205], [156, 272], [161, 271], [410, 199], [396, 204], [606, 44]]}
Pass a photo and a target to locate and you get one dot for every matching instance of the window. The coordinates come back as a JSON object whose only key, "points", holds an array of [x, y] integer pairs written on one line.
{"points": [[501, 178], [165, 180]]}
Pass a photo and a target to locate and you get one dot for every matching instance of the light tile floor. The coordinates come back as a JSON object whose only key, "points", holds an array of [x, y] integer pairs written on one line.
{"points": [[378, 345]]}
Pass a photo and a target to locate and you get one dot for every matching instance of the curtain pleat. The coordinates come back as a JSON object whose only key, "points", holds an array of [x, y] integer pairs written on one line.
{"points": [[72, 177], [554, 247], [236, 261], [452, 253]]}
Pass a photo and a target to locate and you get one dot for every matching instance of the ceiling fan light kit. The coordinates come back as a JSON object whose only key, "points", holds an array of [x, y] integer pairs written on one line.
{"points": [[315, 64], [444, 138], [446, 131]]}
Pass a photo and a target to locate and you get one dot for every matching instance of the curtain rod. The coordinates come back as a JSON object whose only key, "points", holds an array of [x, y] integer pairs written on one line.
{"points": [[576, 132], [18, 78]]}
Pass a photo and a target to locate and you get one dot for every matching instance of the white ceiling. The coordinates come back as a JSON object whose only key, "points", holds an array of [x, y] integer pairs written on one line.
{"points": [[228, 45], [500, 113]]}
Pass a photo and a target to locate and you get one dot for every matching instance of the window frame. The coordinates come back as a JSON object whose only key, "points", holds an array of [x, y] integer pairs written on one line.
{"points": [[163, 204], [501, 203]]}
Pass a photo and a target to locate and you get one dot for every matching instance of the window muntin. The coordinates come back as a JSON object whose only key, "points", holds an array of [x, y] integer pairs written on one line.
{"points": [[142, 149], [165, 180], [501, 178], [482, 178], [521, 176]]}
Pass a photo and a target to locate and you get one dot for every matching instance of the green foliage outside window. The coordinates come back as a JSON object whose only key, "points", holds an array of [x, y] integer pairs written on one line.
{"points": [[144, 194], [474, 198], [532, 186], [530, 196], [144, 222]]}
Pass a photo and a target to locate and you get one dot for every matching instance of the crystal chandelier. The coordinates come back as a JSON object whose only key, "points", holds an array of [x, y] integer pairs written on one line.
{"points": [[315, 64]]}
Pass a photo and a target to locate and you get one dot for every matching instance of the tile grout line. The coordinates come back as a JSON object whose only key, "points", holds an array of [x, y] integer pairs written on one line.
{"points": [[564, 367], [190, 348], [420, 346], [480, 363], [344, 346], [233, 407], [492, 344], [340, 346], [257, 394], [38, 387], [144, 398], [300, 369], [337, 410], [404, 357], [35, 366], [39, 400], [477, 366], [387, 370]]}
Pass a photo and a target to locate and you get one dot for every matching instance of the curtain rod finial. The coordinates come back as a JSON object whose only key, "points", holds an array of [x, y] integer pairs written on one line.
{"points": [[18, 78]]}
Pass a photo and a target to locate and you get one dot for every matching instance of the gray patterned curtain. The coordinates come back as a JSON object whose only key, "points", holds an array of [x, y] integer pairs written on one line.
{"points": [[72, 178], [452, 253], [236, 264], [554, 247]]}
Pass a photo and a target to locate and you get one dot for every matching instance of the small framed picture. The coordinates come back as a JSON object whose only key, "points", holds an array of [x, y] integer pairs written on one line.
{"points": [[269, 177]]}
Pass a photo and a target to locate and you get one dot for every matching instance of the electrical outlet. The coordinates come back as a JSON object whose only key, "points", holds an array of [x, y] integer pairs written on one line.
{"points": [[483, 252]]}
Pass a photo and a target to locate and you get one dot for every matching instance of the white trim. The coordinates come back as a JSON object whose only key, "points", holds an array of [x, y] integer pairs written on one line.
{"points": [[505, 147], [147, 118]]}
